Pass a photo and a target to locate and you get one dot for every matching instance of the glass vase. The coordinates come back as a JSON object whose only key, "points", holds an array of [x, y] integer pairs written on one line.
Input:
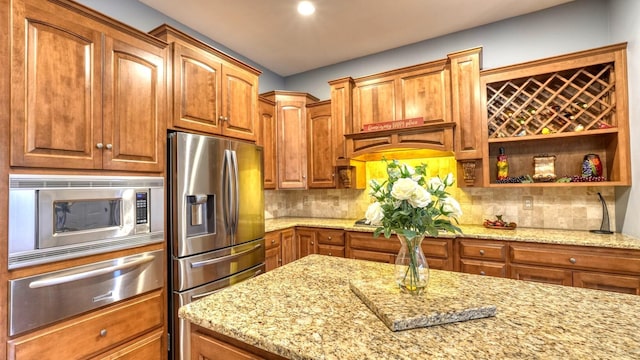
{"points": [[411, 269]]}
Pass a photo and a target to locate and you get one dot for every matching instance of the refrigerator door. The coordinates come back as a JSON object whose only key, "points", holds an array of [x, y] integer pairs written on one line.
{"points": [[197, 194], [248, 194]]}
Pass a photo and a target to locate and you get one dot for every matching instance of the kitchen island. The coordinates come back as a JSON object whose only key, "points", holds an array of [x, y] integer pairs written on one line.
{"points": [[306, 310]]}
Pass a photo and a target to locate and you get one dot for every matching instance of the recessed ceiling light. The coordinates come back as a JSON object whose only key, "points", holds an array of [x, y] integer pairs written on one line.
{"points": [[306, 8]]}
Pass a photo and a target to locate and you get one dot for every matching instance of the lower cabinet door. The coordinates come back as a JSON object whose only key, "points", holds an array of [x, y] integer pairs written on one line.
{"points": [[205, 347], [609, 282], [147, 347], [542, 274]]}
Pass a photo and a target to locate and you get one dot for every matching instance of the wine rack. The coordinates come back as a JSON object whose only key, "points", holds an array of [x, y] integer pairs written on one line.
{"points": [[566, 106], [573, 100]]}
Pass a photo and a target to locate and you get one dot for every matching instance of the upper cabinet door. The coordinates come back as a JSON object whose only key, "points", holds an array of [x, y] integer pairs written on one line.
{"points": [[320, 147], [196, 90], [424, 93], [291, 119], [134, 106], [374, 102], [56, 89], [240, 102]]}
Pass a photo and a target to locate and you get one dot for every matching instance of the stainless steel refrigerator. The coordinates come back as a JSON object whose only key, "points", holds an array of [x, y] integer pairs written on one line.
{"points": [[216, 227]]}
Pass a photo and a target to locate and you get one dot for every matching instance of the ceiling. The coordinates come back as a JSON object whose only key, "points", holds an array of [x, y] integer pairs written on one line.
{"points": [[272, 34]]}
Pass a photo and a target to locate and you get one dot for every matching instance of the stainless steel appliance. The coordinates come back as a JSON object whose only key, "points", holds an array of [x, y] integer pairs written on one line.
{"points": [[216, 227], [45, 298], [59, 217]]}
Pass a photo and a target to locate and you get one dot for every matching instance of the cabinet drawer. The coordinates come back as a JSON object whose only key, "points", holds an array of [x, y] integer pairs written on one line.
{"points": [[483, 268], [475, 249], [542, 274], [440, 264], [331, 250], [93, 333], [331, 237], [436, 248], [271, 240], [372, 256], [608, 282], [576, 258]]}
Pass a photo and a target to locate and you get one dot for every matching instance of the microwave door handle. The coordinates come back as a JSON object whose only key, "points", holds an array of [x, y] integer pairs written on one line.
{"points": [[89, 274], [202, 263]]}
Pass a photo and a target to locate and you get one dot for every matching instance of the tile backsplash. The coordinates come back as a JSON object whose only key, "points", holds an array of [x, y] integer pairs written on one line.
{"points": [[570, 208]]}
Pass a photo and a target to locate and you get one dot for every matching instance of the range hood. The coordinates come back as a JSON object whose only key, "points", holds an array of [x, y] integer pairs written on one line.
{"points": [[436, 138]]}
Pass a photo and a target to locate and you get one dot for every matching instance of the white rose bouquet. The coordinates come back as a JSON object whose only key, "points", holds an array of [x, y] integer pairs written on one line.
{"points": [[408, 204]]}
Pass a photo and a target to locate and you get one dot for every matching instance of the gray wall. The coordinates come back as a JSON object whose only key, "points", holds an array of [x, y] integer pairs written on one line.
{"points": [[625, 27]]}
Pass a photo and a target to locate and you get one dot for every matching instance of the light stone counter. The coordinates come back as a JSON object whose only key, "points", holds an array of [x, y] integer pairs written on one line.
{"points": [[306, 310], [551, 236]]}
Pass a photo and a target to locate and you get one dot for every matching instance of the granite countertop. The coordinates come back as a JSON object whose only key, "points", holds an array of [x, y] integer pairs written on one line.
{"points": [[306, 310], [551, 236]]}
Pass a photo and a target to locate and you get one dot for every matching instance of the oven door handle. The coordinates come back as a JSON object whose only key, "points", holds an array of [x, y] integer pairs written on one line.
{"points": [[223, 258], [89, 274]]}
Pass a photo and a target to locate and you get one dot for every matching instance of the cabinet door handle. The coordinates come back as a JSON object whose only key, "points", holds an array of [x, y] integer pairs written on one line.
{"points": [[103, 332], [109, 146], [221, 118], [329, 254], [481, 252], [312, 243], [273, 241], [99, 145], [483, 273], [572, 260], [329, 238]]}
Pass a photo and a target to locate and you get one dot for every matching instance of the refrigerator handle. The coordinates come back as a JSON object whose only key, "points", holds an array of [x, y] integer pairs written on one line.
{"points": [[235, 197], [226, 188]]}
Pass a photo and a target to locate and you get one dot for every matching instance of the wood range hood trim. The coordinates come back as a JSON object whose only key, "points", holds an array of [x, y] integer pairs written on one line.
{"points": [[438, 137]]}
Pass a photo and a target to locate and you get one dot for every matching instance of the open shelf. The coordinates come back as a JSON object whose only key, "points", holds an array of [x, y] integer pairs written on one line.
{"points": [[566, 106]]}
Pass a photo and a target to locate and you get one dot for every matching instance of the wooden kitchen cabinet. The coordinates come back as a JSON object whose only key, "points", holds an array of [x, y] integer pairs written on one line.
{"points": [[330, 242], [273, 250], [320, 146], [467, 115], [363, 245], [267, 139], [306, 240], [581, 266], [289, 245], [127, 330], [88, 92], [211, 91], [291, 137], [567, 106], [420, 91], [482, 257]]}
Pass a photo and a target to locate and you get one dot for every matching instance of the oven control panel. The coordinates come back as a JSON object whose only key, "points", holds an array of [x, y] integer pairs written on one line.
{"points": [[142, 207]]}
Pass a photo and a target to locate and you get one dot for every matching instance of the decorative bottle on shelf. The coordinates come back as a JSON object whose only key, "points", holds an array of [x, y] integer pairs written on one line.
{"points": [[503, 165]]}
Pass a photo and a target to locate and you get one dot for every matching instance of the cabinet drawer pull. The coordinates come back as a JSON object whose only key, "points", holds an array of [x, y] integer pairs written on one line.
{"points": [[103, 332], [329, 238], [483, 273], [273, 241], [329, 254], [481, 252], [572, 260]]}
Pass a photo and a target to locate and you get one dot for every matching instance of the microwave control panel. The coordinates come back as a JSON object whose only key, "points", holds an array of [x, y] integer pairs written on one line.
{"points": [[142, 207]]}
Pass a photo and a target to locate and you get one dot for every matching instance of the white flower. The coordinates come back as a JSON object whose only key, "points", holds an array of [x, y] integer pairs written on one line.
{"points": [[451, 207], [449, 180], [420, 198], [403, 189], [436, 184], [374, 214]]}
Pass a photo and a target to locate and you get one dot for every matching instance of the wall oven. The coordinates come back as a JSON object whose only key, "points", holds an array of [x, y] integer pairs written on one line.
{"points": [[54, 217]]}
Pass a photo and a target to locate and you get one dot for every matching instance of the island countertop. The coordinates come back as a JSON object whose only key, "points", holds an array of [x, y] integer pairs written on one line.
{"points": [[306, 310], [549, 236]]}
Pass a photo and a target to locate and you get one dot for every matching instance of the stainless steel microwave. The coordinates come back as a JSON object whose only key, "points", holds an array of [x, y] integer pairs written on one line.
{"points": [[56, 217]]}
